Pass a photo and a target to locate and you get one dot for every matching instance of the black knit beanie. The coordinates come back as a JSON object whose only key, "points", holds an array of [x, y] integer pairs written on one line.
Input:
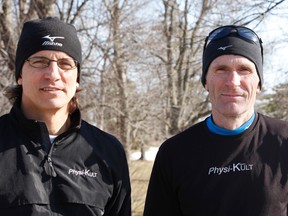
{"points": [[47, 34], [233, 44]]}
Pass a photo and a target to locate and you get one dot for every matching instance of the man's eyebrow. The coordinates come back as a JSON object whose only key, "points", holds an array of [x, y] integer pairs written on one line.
{"points": [[220, 66]]}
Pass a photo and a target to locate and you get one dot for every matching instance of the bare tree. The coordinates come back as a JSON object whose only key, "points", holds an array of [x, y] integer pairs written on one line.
{"points": [[141, 59], [182, 52]]}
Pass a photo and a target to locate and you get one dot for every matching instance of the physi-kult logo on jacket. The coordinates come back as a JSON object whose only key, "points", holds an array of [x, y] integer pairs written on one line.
{"points": [[50, 41], [235, 167], [85, 172]]}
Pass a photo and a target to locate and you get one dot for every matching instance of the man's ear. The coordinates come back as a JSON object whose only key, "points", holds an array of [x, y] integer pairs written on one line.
{"points": [[19, 81]]}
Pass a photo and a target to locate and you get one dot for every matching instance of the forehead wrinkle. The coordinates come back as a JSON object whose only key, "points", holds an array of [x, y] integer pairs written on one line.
{"points": [[227, 61], [51, 54]]}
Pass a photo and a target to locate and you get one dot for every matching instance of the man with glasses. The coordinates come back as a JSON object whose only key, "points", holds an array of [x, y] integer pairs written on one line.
{"points": [[52, 162], [235, 162]]}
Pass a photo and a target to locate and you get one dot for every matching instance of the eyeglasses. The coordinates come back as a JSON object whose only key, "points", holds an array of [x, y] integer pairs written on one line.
{"points": [[241, 31], [43, 62]]}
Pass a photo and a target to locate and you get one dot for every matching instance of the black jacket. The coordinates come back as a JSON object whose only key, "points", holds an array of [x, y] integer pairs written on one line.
{"points": [[84, 172]]}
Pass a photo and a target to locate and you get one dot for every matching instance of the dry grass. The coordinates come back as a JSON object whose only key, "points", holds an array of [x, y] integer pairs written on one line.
{"points": [[140, 173]]}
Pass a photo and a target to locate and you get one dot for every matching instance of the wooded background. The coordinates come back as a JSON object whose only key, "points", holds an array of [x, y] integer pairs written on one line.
{"points": [[142, 59]]}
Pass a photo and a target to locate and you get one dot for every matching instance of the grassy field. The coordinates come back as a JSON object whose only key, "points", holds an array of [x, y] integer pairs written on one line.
{"points": [[140, 173]]}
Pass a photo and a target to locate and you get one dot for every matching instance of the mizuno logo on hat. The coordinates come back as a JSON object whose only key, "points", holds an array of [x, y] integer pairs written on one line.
{"points": [[52, 38], [51, 41], [224, 48]]}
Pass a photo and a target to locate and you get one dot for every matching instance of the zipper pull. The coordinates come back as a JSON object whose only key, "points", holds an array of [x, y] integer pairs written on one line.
{"points": [[48, 166]]}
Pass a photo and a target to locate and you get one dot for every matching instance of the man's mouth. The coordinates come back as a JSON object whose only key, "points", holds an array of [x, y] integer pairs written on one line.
{"points": [[49, 89]]}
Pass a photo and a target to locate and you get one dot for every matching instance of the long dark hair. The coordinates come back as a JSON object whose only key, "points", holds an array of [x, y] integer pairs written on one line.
{"points": [[14, 94]]}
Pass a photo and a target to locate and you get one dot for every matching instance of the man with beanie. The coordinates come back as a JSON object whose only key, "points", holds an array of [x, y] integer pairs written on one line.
{"points": [[53, 162], [235, 162]]}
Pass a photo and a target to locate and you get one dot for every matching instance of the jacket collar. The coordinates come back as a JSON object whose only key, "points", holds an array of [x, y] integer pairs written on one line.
{"points": [[37, 130]]}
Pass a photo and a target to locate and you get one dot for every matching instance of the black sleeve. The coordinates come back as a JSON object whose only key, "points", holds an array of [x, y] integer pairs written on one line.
{"points": [[161, 196], [123, 198], [120, 202]]}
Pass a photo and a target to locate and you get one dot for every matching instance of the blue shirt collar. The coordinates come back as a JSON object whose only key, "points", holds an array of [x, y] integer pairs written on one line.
{"points": [[222, 131]]}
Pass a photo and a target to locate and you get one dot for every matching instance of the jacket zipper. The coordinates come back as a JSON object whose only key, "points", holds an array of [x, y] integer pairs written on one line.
{"points": [[48, 166]]}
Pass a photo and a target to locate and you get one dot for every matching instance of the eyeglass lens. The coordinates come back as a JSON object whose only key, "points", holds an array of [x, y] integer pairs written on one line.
{"points": [[42, 62]]}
